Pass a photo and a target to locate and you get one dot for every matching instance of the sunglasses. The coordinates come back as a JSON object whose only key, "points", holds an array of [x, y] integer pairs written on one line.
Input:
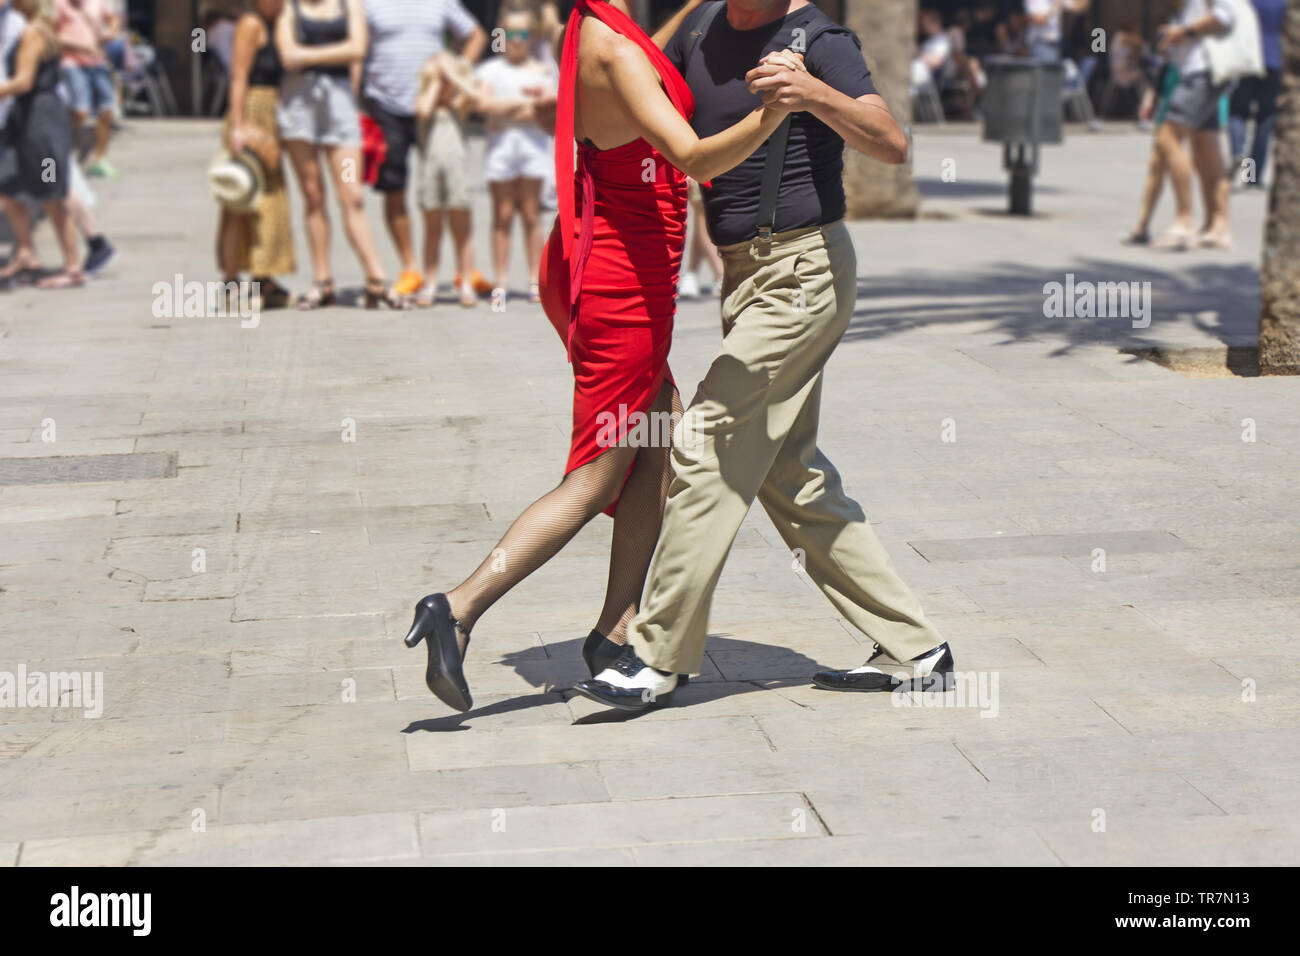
{"points": [[518, 34]]}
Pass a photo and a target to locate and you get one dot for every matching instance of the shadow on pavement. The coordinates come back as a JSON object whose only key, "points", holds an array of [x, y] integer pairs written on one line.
{"points": [[1011, 295]]}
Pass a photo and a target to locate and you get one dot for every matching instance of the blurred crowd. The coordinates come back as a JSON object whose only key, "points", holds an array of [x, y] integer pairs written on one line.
{"points": [[62, 65], [1170, 82]]}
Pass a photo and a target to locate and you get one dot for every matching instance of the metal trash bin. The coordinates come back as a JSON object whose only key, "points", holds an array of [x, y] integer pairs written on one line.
{"points": [[1022, 111]]}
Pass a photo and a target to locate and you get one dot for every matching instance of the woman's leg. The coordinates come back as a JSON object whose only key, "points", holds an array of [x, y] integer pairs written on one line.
{"points": [[1171, 141], [1216, 187], [306, 166], [636, 523], [230, 244], [540, 532], [530, 211], [503, 217], [1151, 191], [352, 203], [23, 254], [65, 231]]}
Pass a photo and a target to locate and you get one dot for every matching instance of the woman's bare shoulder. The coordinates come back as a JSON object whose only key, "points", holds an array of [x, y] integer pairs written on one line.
{"points": [[250, 26], [604, 45]]}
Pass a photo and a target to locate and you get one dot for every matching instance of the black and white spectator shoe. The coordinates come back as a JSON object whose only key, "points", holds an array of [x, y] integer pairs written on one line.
{"points": [[629, 684], [933, 670]]}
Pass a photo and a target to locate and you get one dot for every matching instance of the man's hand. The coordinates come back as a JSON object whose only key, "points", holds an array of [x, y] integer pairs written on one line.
{"points": [[784, 82]]}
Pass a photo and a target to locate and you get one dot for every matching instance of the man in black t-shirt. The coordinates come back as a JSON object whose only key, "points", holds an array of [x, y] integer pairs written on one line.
{"points": [[788, 294]]}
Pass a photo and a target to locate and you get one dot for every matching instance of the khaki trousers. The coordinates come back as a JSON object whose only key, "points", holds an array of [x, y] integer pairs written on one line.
{"points": [[752, 432]]}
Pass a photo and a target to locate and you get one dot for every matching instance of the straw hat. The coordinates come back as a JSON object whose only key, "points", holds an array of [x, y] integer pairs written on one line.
{"points": [[237, 182]]}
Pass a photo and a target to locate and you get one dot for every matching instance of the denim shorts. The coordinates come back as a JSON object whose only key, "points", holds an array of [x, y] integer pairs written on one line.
{"points": [[318, 108], [89, 89], [1198, 103]]}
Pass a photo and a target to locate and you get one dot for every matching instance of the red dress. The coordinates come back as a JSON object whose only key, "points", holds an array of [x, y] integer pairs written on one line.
{"points": [[609, 272]]}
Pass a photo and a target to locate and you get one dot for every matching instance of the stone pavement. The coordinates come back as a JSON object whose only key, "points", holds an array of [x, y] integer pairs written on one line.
{"points": [[1106, 553]]}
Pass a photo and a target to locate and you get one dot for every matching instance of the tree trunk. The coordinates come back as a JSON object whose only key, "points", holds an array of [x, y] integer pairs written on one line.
{"points": [[1279, 317], [887, 29]]}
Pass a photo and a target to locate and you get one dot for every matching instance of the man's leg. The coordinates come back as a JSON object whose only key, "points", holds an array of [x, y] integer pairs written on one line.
{"points": [[779, 334], [398, 219], [805, 499], [399, 138]]}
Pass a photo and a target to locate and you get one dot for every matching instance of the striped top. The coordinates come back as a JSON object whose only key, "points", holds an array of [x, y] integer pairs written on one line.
{"points": [[403, 35]]}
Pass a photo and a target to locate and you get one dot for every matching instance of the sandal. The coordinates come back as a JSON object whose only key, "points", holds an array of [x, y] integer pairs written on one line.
{"points": [[1215, 240], [534, 293], [73, 279], [274, 295], [319, 296], [377, 292], [1135, 238], [468, 297], [1175, 240], [18, 268], [427, 297]]}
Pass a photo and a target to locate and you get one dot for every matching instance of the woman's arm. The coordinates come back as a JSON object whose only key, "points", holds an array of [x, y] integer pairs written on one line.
{"points": [[647, 107], [249, 37], [295, 56], [30, 48], [669, 29]]}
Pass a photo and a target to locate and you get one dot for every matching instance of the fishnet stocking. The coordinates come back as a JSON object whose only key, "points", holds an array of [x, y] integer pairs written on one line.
{"points": [[550, 522]]}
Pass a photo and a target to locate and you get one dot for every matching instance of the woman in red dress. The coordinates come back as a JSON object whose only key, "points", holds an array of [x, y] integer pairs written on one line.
{"points": [[609, 279]]}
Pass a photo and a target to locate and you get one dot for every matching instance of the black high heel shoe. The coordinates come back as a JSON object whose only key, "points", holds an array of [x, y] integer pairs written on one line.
{"points": [[600, 652], [444, 675], [378, 293]]}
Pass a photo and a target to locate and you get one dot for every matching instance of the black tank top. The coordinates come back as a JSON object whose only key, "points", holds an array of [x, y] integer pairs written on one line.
{"points": [[267, 69], [312, 32]]}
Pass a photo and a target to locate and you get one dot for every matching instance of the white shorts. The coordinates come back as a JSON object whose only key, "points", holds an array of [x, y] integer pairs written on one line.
{"points": [[517, 152]]}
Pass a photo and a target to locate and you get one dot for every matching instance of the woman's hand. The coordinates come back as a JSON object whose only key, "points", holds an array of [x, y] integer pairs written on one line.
{"points": [[784, 82], [238, 139]]}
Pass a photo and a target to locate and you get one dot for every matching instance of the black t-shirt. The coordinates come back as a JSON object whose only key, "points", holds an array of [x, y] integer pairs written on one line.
{"points": [[812, 183]]}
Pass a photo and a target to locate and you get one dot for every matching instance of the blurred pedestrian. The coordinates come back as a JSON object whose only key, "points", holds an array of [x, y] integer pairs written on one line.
{"points": [[1196, 117], [40, 135], [259, 242], [1043, 35], [1255, 98], [321, 45], [83, 27], [514, 89], [404, 35], [443, 177]]}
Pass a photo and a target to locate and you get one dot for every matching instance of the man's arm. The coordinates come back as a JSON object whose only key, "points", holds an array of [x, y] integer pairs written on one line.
{"points": [[473, 38], [864, 123]]}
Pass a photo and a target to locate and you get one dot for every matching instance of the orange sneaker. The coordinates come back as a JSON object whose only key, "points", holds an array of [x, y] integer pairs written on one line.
{"points": [[408, 283], [478, 281]]}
